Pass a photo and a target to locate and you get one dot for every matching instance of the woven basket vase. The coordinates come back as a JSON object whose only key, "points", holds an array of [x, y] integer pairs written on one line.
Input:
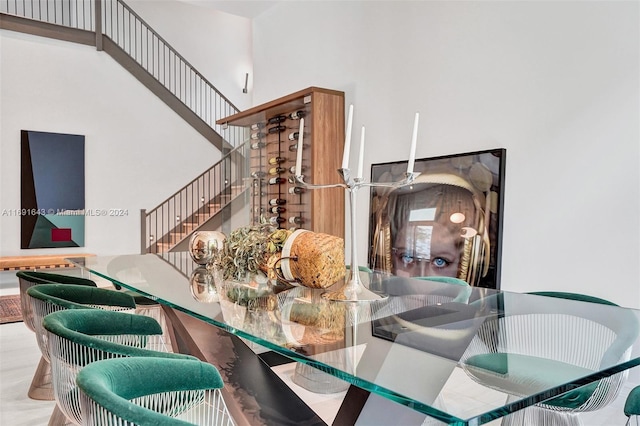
{"points": [[313, 259]]}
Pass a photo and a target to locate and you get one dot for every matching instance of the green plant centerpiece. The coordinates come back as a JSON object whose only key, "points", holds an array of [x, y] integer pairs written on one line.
{"points": [[246, 261]]}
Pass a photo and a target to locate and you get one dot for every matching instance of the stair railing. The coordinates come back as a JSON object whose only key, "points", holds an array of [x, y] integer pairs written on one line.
{"points": [[195, 203], [117, 21], [79, 14], [176, 217], [133, 35]]}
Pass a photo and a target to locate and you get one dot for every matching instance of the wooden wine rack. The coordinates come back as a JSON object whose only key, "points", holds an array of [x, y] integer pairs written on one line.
{"points": [[320, 210]]}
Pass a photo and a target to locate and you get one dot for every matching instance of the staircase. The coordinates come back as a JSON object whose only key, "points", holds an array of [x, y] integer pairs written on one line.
{"points": [[198, 204], [111, 26]]}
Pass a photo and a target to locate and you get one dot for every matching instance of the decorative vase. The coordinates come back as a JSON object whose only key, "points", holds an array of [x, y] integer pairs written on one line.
{"points": [[202, 285], [204, 245]]}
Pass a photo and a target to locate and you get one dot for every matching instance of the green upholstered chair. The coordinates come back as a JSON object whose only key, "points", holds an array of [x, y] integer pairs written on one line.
{"points": [[458, 292], [48, 298], [28, 279], [632, 405], [144, 305], [151, 391], [40, 387], [516, 353], [78, 337], [464, 289]]}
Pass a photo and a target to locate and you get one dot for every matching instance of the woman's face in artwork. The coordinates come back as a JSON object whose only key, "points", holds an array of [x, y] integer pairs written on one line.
{"points": [[427, 249], [430, 229]]}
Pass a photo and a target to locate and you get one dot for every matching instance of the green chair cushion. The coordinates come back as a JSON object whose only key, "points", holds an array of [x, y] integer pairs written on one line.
{"points": [[523, 374], [632, 404], [462, 297], [70, 296], [49, 278], [81, 326], [573, 296], [111, 383]]}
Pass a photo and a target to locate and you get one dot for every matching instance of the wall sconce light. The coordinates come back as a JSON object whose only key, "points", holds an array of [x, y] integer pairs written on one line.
{"points": [[246, 82]]}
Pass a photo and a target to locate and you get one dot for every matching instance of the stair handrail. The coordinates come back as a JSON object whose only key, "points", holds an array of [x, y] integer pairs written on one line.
{"points": [[175, 52], [233, 152], [184, 206], [200, 96], [91, 16], [198, 106]]}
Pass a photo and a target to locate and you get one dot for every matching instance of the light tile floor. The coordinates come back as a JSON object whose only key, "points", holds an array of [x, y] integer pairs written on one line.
{"points": [[19, 356]]}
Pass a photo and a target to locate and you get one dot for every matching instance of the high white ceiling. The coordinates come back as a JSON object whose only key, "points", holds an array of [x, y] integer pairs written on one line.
{"points": [[246, 8]]}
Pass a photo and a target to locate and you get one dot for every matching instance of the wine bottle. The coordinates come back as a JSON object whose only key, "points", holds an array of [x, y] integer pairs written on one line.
{"points": [[278, 209], [277, 201], [258, 126], [277, 170], [276, 180], [296, 220], [293, 136], [277, 119], [276, 160], [258, 145], [291, 179], [297, 115], [258, 174], [294, 146], [277, 129], [275, 220], [258, 135], [296, 190]]}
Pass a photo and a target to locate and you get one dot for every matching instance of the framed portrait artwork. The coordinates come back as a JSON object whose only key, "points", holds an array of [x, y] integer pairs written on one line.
{"points": [[448, 222]]}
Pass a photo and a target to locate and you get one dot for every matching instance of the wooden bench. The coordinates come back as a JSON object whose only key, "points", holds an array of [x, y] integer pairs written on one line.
{"points": [[19, 263]]}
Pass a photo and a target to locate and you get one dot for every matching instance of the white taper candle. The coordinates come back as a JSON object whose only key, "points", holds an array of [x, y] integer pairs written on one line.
{"points": [[299, 153], [361, 155], [414, 140], [347, 139]]}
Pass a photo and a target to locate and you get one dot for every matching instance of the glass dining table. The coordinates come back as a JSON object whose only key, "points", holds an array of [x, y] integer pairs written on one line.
{"points": [[426, 348]]}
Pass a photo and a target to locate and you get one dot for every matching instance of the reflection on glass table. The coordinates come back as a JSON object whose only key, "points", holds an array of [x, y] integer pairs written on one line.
{"points": [[411, 348], [547, 340]]}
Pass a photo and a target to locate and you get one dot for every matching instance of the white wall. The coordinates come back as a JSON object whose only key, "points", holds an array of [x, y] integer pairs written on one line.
{"points": [[217, 44], [137, 150], [555, 83]]}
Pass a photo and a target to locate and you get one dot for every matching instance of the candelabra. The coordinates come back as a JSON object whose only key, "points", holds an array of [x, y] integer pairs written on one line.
{"points": [[354, 289]]}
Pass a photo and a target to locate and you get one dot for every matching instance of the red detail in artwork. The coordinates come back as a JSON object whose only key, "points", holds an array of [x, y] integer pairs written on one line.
{"points": [[61, 234]]}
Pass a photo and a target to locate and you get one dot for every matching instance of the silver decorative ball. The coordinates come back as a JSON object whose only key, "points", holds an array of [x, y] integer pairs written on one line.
{"points": [[204, 245], [202, 286]]}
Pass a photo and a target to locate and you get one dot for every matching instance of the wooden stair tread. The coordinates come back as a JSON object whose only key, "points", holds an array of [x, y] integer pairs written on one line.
{"points": [[197, 219]]}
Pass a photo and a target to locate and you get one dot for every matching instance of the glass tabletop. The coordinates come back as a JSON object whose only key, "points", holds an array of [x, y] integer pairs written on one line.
{"points": [[425, 344]]}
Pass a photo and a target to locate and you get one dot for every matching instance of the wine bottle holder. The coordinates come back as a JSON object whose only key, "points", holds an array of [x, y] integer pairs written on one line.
{"points": [[274, 141], [273, 130]]}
